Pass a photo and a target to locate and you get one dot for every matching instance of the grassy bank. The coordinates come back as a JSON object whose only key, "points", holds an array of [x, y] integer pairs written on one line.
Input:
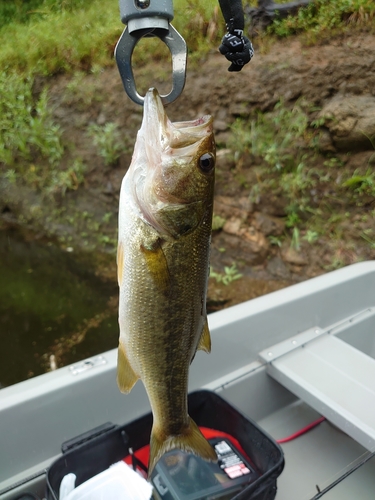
{"points": [[319, 192], [76, 37], [48, 37], [324, 19]]}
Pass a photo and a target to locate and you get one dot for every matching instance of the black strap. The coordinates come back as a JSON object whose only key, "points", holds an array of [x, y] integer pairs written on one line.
{"points": [[234, 45], [233, 14]]}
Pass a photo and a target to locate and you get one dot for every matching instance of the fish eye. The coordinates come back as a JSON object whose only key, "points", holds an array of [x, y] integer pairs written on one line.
{"points": [[206, 163]]}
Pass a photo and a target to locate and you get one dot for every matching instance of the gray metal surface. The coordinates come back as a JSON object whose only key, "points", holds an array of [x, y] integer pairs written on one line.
{"points": [[138, 9], [150, 18], [332, 375], [318, 457], [36, 416], [177, 47], [337, 380]]}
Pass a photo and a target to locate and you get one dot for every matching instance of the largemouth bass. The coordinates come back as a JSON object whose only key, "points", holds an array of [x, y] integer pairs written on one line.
{"points": [[165, 217]]}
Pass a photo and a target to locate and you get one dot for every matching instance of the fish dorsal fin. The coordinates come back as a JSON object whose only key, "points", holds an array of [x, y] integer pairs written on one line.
{"points": [[205, 340], [120, 262], [189, 439], [126, 378], [157, 265]]}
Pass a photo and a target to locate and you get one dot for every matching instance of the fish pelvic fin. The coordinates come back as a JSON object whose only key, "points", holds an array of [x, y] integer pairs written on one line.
{"points": [[126, 378], [205, 340], [190, 440]]}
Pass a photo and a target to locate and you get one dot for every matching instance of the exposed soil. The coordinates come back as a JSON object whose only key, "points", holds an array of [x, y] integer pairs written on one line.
{"points": [[343, 66]]}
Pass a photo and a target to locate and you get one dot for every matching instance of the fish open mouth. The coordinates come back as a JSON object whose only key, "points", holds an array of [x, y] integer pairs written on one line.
{"points": [[162, 133]]}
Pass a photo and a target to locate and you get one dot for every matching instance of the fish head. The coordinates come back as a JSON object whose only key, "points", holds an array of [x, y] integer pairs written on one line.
{"points": [[173, 169]]}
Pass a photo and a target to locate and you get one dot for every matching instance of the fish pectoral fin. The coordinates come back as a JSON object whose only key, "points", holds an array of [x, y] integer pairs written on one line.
{"points": [[157, 265], [126, 378], [190, 440], [205, 340]]}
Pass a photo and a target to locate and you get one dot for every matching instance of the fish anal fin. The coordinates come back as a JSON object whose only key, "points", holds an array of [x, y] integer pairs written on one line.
{"points": [[157, 265], [126, 378], [190, 440], [120, 262], [205, 340]]}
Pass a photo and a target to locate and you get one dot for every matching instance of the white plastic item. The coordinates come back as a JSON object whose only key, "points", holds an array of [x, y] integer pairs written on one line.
{"points": [[119, 482], [67, 485]]}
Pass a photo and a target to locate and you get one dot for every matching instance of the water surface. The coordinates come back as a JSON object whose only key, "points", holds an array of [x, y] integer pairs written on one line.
{"points": [[51, 303]]}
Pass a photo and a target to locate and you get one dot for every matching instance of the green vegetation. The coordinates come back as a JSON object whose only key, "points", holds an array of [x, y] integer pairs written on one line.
{"points": [[311, 236], [70, 178], [50, 36], [229, 275], [108, 141], [362, 183], [271, 139], [81, 92], [46, 37], [58, 40], [271, 135], [24, 11], [217, 222], [322, 19], [30, 143], [282, 149], [27, 127]]}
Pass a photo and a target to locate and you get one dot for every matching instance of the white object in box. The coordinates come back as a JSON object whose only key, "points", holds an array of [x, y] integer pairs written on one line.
{"points": [[119, 482]]}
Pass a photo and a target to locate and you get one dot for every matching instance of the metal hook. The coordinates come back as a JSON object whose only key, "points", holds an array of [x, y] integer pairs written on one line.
{"points": [[177, 47]]}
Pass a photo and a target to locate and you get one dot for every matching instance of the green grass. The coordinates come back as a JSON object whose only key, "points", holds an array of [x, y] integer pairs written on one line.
{"points": [[324, 18], [61, 41], [281, 147], [108, 141], [31, 148], [48, 37], [361, 183], [51, 36], [27, 129], [55, 36], [271, 136], [229, 275], [24, 11]]}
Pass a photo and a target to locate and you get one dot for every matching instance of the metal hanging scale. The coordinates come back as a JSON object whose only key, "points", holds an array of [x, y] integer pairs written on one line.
{"points": [[150, 18]]}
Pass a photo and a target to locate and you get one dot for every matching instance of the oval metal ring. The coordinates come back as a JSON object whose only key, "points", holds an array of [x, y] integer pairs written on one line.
{"points": [[177, 47]]}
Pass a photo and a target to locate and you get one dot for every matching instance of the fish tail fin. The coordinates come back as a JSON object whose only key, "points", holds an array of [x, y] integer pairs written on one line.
{"points": [[190, 440]]}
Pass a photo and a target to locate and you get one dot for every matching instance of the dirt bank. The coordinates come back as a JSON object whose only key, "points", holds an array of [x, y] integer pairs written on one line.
{"points": [[254, 233]]}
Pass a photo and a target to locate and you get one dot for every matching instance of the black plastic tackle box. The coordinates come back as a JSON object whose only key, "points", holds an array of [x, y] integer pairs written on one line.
{"points": [[93, 452]]}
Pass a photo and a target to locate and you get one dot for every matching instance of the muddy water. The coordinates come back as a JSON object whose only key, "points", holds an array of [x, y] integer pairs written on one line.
{"points": [[50, 305]]}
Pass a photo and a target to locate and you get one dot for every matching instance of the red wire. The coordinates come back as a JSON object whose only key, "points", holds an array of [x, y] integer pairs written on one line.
{"points": [[301, 431]]}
